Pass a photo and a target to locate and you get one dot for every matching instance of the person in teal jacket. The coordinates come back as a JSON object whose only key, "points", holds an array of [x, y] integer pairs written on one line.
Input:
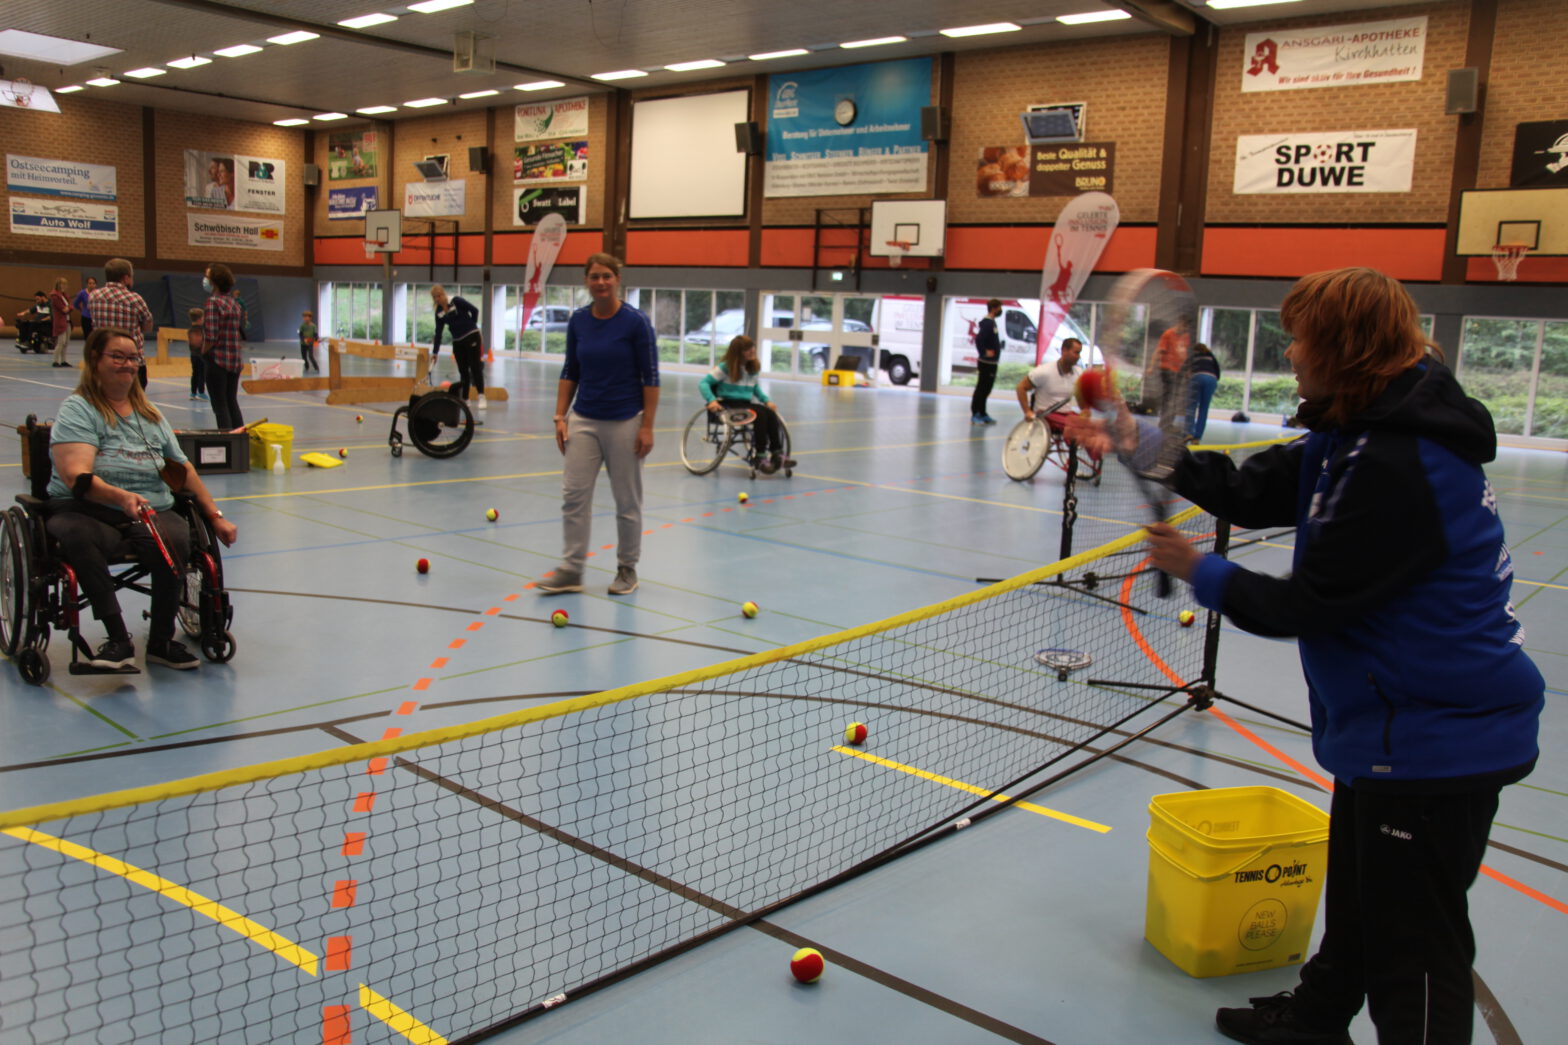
{"points": [[733, 385]]}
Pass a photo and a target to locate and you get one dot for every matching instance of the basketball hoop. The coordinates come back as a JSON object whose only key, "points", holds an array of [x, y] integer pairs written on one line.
{"points": [[374, 247], [896, 249], [22, 92], [1506, 256]]}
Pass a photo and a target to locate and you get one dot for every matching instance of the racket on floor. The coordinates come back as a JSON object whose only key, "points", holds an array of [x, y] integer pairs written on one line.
{"points": [[1147, 334]]}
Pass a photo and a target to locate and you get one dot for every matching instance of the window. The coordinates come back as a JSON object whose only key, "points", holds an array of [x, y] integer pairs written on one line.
{"points": [[1519, 369], [350, 310], [419, 312]]}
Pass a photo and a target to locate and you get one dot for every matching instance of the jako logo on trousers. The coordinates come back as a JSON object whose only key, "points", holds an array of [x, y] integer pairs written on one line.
{"points": [[1273, 873]]}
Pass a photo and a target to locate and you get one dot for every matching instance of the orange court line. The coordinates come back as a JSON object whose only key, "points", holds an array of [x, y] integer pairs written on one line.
{"points": [[392, 733], [353, 843], [340, 953], [343, 892], [1534, 894], [456, 644], [492, 611], [407, 707], [529, 585], [510, 598], [364, 802], [476, 625], [377, 766], [605, 547], [1136, 633], [422, 684], [335, 1026], [439, 662]]}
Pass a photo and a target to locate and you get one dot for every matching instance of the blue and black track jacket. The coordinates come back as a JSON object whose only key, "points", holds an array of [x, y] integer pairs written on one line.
{"points": [[1399, 595], [460, 317]]}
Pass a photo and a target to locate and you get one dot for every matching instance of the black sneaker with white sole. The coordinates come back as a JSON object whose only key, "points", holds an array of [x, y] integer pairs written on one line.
{"points": [[113, 655], [171, 654], [1277, 1018]]}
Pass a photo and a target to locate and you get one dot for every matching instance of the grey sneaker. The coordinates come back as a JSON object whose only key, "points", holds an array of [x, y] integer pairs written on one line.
{"points": [[561, 582], [625, 581]]}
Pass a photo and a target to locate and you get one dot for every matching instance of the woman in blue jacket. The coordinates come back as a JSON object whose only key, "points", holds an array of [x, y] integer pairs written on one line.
{"points": [[1424, 704], [462, 319]]}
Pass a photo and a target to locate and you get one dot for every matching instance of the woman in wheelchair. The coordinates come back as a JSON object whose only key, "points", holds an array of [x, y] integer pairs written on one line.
{"points": [[117, 463], [733, 385]]}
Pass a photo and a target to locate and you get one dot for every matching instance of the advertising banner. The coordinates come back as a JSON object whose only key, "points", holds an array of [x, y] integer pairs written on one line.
{"points": [[435, 199], [1083, 228], [543, 164], [1019, 171], [82, 181], [542, 252], [353, 202], [1540, 155], [225, 181], [847, 131], [1334, 55], [1336, 161], [74, 220], [234, 233], [542, 121], [530, 206], [352, 154]]}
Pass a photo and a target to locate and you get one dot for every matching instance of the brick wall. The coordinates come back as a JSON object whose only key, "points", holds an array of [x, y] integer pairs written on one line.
{"points": [[503, 146], [1123, 82], [1527, 82], [1390, 106], [451, 133], [86, 130]]}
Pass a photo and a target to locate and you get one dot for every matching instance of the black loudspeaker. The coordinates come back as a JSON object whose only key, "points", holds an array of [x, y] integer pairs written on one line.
{"points": [[312, 175], [478, 158], [748, 138], [935, 122], [1464, 90]]}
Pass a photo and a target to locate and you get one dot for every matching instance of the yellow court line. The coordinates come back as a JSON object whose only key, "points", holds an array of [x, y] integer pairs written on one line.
{"points": [[284, 948], [397, 1019], [973, 790]]}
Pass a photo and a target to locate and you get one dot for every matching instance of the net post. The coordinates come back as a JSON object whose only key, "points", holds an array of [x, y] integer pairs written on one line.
{"points": [[1069, 502], [1211, 637]]}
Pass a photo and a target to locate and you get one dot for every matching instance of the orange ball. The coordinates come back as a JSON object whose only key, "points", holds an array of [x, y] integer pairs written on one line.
{"points": [[423, 565], [1096, 388]]}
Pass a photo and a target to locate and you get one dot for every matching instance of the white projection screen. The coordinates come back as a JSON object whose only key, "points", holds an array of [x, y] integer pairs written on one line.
{"points": [[684, 161]]}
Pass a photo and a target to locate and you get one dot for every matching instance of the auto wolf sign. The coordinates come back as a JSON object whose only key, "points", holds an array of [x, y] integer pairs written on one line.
{"points": [[1082, 230], [1338, 161], [1334, 56]]}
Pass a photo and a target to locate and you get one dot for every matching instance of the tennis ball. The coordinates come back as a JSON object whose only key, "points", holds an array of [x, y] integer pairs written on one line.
{"points": [[1186, 617], [748, 610], [742, 497], [807, 965], [559, 618], [342, 452], [359, 419], [855, 733], [423, 565], [492, 514]]}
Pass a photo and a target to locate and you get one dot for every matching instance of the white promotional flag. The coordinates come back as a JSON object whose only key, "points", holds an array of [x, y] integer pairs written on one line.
{"points": [[549, 235], [1082, 230]]}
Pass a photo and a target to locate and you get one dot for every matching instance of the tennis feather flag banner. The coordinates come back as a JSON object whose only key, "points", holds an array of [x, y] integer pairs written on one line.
{"points": [[1082, 230], [549, 234]]}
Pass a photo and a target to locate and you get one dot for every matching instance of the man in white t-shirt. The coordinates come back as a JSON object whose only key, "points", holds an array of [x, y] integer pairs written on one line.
{"points": [[1049, 387]]}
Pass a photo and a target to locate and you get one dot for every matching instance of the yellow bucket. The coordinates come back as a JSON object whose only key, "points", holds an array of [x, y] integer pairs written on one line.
{"points": [[1234, 878], [270, 443]]}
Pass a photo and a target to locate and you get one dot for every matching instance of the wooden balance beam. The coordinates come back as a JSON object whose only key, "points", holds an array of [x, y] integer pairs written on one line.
{"points": [[342, 389]]}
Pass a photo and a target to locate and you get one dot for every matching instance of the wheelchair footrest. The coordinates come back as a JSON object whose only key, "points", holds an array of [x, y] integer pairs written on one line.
{"points": [[81, 667]]}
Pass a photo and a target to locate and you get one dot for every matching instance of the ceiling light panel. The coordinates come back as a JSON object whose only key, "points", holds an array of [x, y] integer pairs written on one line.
{"points": [[791, 53], [691, 67], [430, 7], [51, 49], [188, 63], [145, 74], [366, 21], [538, 85], [376, 110], [1089, 17], [425, 103], [981, 30], [621, 74], [289, 123], [876, 42], [293, 38], [237, 51]]}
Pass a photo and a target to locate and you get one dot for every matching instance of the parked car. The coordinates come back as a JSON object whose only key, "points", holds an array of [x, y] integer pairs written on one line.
{"points": [[721, 330], [549, 318], [814, 357]]}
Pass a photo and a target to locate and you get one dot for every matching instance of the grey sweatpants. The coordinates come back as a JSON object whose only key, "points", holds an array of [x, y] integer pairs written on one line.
{"points": [[590, 444]]}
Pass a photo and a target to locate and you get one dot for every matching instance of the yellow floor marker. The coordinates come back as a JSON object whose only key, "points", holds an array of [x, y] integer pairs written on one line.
{"points": [[397, 1019]]}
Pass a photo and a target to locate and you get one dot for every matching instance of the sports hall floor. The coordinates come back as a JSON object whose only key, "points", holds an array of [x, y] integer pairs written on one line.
{"points": [[1023, 929]]}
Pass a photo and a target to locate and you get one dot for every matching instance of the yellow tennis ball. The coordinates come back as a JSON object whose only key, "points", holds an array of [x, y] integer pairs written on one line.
{"points": [[855, 733], [748, 609], [492, 514], [742, 497], [342, 451], [559, 618], [359, 419], [1186, 617], [807, 965]]}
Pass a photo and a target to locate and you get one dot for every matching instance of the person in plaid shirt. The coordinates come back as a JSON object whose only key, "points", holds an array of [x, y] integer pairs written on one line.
{"points": [[223, 329], [115, 304]]}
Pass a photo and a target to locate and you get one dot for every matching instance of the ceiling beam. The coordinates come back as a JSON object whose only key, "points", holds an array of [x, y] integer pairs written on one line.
{"points": [[1165, 15]]}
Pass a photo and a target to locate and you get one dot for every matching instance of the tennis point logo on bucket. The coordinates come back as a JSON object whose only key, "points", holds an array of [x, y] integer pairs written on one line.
{"points": [[1291, 874]]}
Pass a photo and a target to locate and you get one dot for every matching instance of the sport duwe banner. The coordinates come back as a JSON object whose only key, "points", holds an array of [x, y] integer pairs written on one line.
{"points": [[847, 131], [1334, 55], [229, 181], [1333, 161], [1082, 230]]}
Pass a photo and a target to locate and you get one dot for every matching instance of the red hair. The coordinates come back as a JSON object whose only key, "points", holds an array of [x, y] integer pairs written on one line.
{"points": [[1356, 330]]}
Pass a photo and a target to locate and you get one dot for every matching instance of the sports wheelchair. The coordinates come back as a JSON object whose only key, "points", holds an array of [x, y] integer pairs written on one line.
{"points": [[32, 335], [1032, 443], [38, 589], [710, 437], [439, 423]]}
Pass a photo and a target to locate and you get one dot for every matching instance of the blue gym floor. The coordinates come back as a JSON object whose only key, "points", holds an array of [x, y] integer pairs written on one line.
{"points": [[1024, 928]]}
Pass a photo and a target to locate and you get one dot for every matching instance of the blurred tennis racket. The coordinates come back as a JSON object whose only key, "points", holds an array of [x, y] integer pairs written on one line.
{"points": [[1145, 338]]}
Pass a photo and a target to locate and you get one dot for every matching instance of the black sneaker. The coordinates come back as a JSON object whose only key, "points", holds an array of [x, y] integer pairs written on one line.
{"points": [[1276, 1019], [171, 655], [113, 655]]}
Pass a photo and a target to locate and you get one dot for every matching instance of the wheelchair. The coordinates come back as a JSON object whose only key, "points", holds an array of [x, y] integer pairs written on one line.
{"points": [[39, 592], [32, 335], [439, 423], [1032, 443], [711, 437]]}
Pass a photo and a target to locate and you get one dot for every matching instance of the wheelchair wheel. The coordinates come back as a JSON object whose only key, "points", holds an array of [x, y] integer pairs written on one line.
{"points": [[1025, 449], [440, 425], [15, 569], [784, 445], [219, 649], [33, 666], [204, 613], [705, 442]]}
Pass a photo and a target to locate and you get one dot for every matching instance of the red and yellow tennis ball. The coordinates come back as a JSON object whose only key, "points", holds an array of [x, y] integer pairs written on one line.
{"points": [[743, 497], [1186, 617], [492, 514], [1095, 388], [559, 618], [807, 965], [359, 419], [423, 565], [855, 733], [342, 451], [749, 609]]}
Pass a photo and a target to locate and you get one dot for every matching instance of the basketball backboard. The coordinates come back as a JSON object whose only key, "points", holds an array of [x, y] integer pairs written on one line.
{"points": [[385, 229], [920, 223], [1536, 218]]}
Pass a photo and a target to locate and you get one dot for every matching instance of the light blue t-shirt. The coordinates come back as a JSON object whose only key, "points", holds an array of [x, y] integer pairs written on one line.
{"points": [[129, 453]]}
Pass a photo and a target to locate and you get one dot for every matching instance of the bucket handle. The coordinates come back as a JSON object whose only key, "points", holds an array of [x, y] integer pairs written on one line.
{"points": [[1221, 875]]}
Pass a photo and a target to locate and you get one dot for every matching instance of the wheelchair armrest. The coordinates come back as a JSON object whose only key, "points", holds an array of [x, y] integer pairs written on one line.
{"points": [[31, 503]]}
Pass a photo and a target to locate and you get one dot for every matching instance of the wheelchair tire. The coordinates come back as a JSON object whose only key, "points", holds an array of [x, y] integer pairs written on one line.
{"points": [[219, 648], [440, 424], [705, 442], [1025, 449], [16, 568], [33, 666]]}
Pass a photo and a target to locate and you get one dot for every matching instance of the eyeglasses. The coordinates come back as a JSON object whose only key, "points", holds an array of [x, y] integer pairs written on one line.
{"points": [[122, 359]]}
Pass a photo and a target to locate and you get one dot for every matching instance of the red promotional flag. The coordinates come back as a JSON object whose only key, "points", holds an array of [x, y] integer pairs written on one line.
{"points": [[549, 234], [1082, 230]]}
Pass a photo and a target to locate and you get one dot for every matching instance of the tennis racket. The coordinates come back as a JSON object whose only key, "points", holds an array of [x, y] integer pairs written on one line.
{"points": [[148, 520], [1145, 339]]}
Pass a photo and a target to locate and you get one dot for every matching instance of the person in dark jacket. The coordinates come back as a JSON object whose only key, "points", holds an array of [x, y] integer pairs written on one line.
{"points": [[988, 356], [1203, 377], [1423, 702], [462, 318]]}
